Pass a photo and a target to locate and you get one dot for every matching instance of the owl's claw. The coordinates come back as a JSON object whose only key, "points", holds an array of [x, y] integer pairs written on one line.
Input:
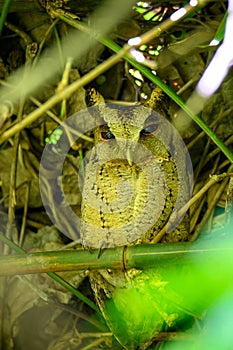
{"points": [[100, 249], [86, 247]]}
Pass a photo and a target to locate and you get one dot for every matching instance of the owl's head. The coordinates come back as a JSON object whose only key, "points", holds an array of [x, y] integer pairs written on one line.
{"points": [[125, 128]]}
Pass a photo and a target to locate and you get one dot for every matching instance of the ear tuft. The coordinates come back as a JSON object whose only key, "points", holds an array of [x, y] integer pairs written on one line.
{"points": [[93, 97], [158, 101]]}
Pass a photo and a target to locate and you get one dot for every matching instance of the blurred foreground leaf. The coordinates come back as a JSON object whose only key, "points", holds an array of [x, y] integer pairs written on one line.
{"points": [[170, 298]]}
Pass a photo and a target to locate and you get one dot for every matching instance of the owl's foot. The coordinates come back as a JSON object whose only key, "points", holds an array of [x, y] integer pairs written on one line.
{"points": [[101, 249]]}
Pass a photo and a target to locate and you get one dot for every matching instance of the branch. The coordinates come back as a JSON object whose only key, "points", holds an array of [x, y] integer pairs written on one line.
{"points": [[138, 256]]}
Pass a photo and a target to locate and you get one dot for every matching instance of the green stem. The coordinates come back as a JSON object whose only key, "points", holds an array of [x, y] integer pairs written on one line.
{"points": [[139, 256], [59, 48], [4, 13]]}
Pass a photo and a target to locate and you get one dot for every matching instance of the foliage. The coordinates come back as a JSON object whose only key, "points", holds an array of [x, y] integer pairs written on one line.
{"points": [[183, 300]]}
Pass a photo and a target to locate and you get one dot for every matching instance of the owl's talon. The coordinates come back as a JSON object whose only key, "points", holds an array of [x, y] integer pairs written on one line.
{"points": [[100, 249], [90, 250]]}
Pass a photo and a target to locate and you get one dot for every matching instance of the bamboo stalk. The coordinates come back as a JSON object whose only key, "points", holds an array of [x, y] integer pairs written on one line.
{"points": [[137, 256]]}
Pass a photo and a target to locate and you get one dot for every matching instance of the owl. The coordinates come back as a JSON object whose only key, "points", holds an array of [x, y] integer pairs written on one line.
{"points": [[136, 178]]}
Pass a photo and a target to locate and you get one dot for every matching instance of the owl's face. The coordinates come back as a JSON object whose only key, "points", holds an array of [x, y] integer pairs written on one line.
{"points": [[124, 130]]}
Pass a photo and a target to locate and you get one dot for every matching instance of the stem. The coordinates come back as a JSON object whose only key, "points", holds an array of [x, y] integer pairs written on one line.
{"points": [[4, 12], [138, 256]]}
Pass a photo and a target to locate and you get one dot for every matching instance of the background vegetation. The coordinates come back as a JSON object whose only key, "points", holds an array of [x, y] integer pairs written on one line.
{"points": [[51, 53]]}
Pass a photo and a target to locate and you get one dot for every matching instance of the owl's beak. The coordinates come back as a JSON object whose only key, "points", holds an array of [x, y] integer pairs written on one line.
{"points": [[129, 156], [127, 147]]}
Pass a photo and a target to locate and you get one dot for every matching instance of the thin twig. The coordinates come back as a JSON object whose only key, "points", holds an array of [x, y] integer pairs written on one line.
{"points": [[217, 150], [63, 83], [216, 121], [213, 179], [215, 167], [94, 344], [202, 160], [168, 23], [196, 212], [224, 164], [43, 41], [6, 196], [24, 220], [209, 210], [27, 39], [59, 122], [11, 231]]}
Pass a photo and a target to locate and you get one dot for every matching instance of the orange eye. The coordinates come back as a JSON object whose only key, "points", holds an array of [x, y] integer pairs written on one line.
{"points": [[150, 130], [106, 136]]}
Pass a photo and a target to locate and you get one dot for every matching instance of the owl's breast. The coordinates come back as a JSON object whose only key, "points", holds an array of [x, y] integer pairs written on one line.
{"points": [[122, 202]]}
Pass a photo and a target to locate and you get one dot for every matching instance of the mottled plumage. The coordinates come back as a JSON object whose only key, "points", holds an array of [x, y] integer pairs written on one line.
{"points": [[132, 182]]}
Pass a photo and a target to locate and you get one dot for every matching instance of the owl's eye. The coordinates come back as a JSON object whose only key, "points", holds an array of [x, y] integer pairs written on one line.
{"points": [[106, 135], [150, 129]]}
